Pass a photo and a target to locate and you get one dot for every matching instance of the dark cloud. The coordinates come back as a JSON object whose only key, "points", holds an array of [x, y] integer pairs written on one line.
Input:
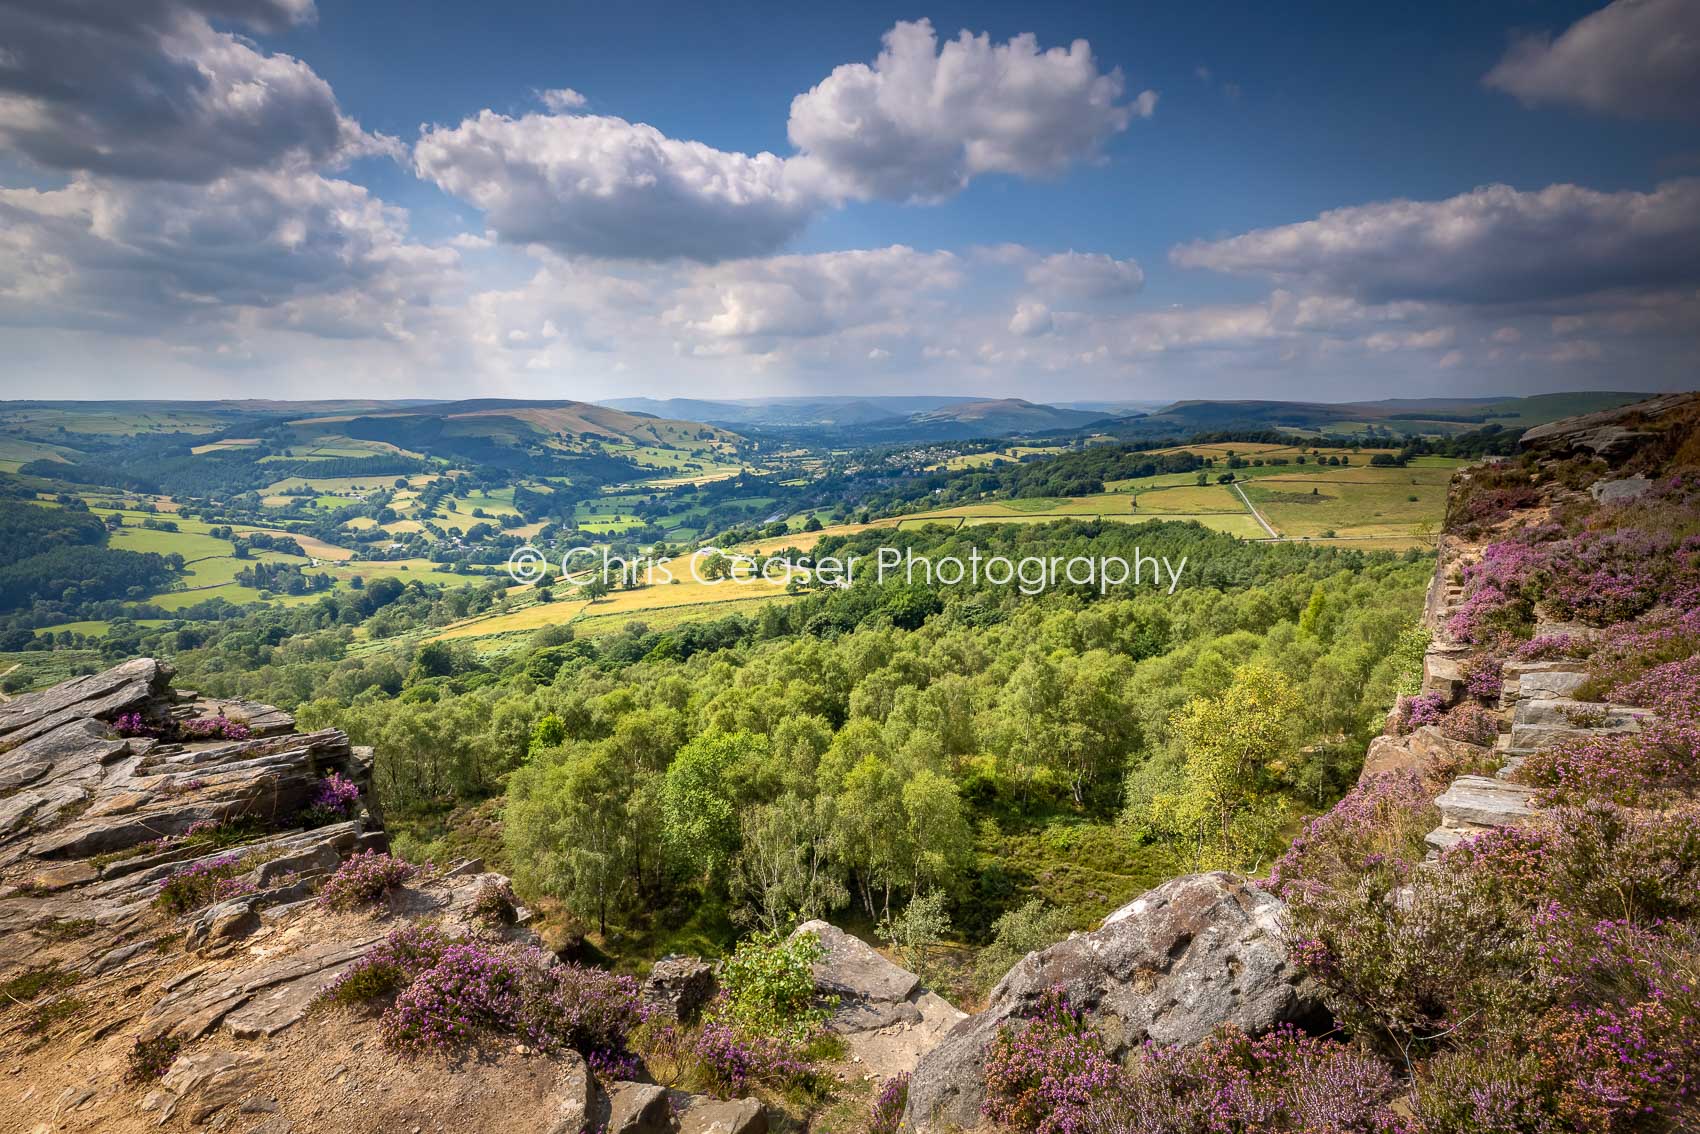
{"points": [[151, 89], [1493, 245], [145, 257], [1632, 58]]}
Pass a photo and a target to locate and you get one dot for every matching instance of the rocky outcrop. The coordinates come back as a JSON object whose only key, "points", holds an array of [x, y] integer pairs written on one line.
{"points": [[1171, 966], [93, 823], [1610, 434], [678, 988], [1426, 751]]}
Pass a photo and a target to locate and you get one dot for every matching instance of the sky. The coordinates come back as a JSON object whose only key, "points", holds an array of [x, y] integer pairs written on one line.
{"points": [[1118, 201]]}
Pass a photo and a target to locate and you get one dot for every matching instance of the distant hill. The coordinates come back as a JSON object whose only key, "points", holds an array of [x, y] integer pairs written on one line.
{"points": [[897, 418], [1393, 415], [514, 420]]}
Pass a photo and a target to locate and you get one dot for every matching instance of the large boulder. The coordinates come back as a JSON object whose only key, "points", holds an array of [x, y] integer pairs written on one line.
{"points": [[871, 991], [1171, 966]]}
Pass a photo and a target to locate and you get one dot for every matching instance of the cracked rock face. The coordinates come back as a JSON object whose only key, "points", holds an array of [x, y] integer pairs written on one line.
{"points": [[1171, 966]]}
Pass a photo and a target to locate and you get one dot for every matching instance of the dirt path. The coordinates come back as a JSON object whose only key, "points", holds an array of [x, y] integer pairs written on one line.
{"points": [[1255, 514]]}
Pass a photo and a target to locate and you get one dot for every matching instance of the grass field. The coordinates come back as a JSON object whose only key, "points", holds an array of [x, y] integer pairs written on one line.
{"points": [[619, 607]]}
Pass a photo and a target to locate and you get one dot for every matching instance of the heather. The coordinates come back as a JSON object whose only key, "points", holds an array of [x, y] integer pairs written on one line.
{"points": [[198, 728], [363, 880], [1537, 978], [333, 799], [208, 880], [885, 1114], [441, 995], [1051, 1075], [1605, 568]]}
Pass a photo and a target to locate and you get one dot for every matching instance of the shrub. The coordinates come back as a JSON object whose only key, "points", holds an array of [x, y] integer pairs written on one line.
{"points": [[150, 1059], [333, 800], [213, 728], [390, 967], [468, 989], [364, 879], [1412, 713], [1016, 933], [1585, 716], [769, 987], [1482, 677], [1655, 766], [1471, 724], [729, 1060], [495, 904], [1053, 1077], [1042, 1073], [446, 993], [1380, 820], [134, 724], [1552, 647], [885, 1116], [197, 884]]}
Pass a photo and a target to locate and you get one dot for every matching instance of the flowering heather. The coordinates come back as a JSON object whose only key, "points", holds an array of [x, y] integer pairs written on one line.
{"points": [[447, 993], [213, 728], [336, 794], [1413, 713], [1380, 820], [885, 1116], [1471, 724], [1053, 1077], [197, 884], [729, 1061], [1482, 677], [495, 904], [469, 990], [1552, 647], [1658, 764], [332, 800], [227, 888], [1627, 1031], [1041, 1076], [364, 879], [134, 724], [390, 967]]}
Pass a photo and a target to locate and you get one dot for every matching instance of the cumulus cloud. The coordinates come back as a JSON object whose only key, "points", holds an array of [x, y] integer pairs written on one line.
{"points": [[151, 89], [1085, 276], [917, 124], [923, 119], [562, 100], [291, 249], [1493, 245], [602, 186], [1031, 318], [1632, 58]]}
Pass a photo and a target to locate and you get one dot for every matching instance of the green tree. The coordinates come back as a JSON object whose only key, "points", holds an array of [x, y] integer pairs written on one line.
{"points": [[1230, 743], [699, 799]]}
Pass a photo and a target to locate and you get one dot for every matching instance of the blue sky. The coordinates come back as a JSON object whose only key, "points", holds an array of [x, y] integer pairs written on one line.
{"points": [[282, 198]]}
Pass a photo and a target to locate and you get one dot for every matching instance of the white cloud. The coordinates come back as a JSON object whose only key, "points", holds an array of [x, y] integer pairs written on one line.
{"points": [[924, 119], [601, 186], [1492, 245], [293, 250], [1632, 58], [918, 124], [1031, 319], [150, 89], [562, 100], [1085, 276]]}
